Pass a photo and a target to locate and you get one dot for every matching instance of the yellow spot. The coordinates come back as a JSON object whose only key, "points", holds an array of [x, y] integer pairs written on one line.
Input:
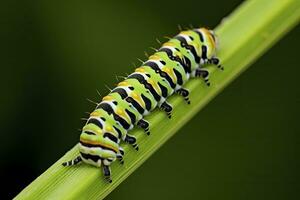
{"points": [[138, 99], [167, 70], [170, 73], [123, 83], [140, 69], [151, 81], [154, 57], [120, 112], [95, 114], [155, 86], [108, 128], [169, 44], [197, 46], [134, 95], [184, 32], [107, 98]]}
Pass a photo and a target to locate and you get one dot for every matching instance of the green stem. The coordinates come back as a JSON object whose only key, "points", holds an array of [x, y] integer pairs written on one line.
{"points": [[244, 36]]}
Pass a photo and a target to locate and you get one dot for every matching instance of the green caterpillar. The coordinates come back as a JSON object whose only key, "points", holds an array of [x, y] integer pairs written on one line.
{"points": [[163, 74]]}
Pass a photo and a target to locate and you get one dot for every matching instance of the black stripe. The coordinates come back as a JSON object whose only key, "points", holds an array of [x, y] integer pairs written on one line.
{"points": [[200, 35], [121, 92], [164, 90], [89, 156], [109, 110], [122, 121], [111, 137], [106, 107], [96, 145], [204, 51], [184, 44], [95, 122], [147, 85], [139, 77], [188, 63], [179, 77], [89, 132], [153, 92], [131, 115], [103, 119], [169, 52], [147, 102], [135, 104], [119, 132], [164, 75]]}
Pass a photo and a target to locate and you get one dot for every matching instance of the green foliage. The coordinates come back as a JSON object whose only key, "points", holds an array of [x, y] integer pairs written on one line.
{"points": [[244, 36]]}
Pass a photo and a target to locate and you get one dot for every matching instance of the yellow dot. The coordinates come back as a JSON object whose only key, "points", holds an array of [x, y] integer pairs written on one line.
{"points": [[106, 98], [95, 114], [154, 57], [123, 83], [119, 112], [168, 44], [134, 95], [108, 128], [151, 81], [167, 70], [140, 70]]}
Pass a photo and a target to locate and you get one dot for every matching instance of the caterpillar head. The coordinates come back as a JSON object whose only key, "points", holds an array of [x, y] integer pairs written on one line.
{"points": [[210, 41], [96, 146]]}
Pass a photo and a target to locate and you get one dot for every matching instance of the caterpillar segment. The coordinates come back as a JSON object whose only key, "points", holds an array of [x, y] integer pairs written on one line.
{"points": [[164, 73]]}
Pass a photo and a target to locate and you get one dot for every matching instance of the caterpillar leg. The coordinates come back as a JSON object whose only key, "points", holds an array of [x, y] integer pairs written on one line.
{"points": [[165, 106], [144, 125], [215, 61], [130, 139], [120, 155], [73, 162], [203, 73], [185, 94], [106, 172]]}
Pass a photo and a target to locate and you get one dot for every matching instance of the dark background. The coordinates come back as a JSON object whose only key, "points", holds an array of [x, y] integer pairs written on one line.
{"points": [[55, 54]]}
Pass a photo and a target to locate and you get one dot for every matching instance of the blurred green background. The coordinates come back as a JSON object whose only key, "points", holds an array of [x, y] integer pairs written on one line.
{"points": [[245, 143]]}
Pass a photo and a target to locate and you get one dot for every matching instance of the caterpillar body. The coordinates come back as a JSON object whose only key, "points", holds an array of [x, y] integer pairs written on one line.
{"points": [[163, 74]]}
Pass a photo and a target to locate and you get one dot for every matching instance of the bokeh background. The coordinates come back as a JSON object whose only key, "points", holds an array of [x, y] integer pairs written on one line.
{"points": [[55, 54]]}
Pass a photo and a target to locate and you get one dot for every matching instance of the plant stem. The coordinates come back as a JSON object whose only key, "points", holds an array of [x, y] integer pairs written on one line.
{"points": [[244, 36]]}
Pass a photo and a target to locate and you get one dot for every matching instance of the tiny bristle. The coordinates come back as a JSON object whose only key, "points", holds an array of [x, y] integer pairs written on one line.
{"points": [[107, 88], [92, 101], [179, 27], [158, 41], [99, 93], [153, 48], [140, 60], [122, 77], [133, 64]]}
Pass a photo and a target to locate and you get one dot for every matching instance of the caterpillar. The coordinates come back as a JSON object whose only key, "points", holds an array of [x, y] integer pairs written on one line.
{"points": [[163, 74]]}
